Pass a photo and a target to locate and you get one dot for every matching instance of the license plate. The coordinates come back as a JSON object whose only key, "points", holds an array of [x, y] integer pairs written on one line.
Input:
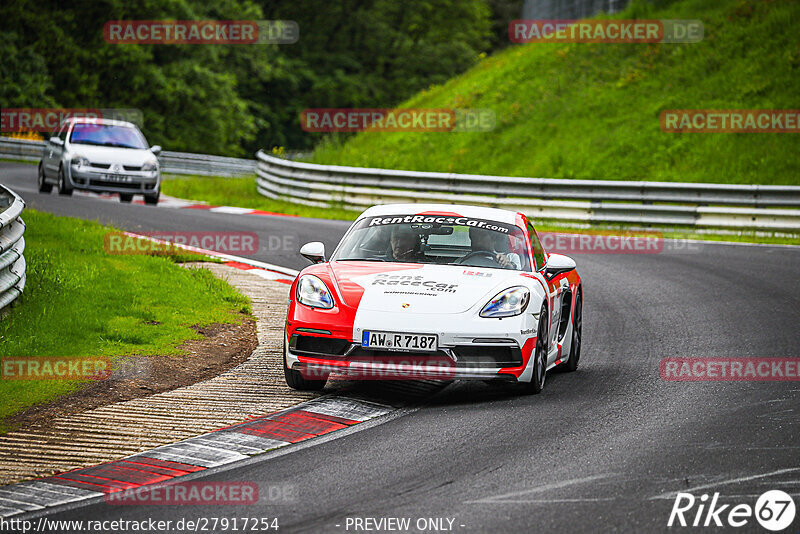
{"points": [[398, 341], [116, 178]]}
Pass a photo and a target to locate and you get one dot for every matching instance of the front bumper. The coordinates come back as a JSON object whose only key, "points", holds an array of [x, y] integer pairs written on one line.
{"points": [[104, 181], [316, 356]]}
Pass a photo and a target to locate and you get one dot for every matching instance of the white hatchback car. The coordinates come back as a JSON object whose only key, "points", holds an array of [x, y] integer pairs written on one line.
{"points": [[101, 155]]}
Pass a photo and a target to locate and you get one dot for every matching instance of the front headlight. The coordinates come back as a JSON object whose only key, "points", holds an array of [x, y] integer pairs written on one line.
{"points": [[78, 161], [507, 303], [313, 292], [150, 166]]}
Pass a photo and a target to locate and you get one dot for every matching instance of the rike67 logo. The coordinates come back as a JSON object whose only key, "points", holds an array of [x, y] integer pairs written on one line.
{"points": [[774, 510]]}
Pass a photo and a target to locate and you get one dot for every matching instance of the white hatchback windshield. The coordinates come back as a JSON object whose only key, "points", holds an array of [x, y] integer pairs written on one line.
{"points": [[107, 135], [443, 240]]}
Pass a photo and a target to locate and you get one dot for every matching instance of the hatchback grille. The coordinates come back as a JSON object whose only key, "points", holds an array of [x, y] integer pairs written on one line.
{"points": [[122, 185], [131, 168]]}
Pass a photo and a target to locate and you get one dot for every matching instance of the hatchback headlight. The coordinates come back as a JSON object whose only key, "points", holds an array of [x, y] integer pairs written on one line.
{"points": [[79, 161], [507, 303], [150, 166], [313, 292]]}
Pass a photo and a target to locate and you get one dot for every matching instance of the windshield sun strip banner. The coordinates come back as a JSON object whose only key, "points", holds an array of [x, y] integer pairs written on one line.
{"points": [[469, 222]]}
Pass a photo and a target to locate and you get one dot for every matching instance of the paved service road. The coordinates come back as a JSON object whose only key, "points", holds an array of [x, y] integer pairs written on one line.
{"points": [[603, 449]]}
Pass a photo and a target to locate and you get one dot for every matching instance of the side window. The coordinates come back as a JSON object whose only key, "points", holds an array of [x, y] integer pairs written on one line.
{"points": [[536, 247], [63, 133]]}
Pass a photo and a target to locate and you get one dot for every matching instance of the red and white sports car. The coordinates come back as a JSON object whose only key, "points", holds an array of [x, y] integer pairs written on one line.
{"points": [[436, 292]]}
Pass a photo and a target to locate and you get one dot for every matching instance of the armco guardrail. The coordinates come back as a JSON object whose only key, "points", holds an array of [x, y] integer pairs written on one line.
{"points": [[171, 162], [12, 245], [203, 164], [592, 201], [719, 206]]}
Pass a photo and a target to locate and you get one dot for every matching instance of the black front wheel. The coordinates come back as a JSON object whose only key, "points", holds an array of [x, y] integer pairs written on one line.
{"points": [[536, 385], [152, 200], [295, 379], [125, 197], [63, 187]]}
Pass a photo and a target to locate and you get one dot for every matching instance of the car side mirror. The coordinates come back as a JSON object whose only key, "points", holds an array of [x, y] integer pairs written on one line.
{"points": [[557, 264], [313, 252], [156, 150], [56, 140]]}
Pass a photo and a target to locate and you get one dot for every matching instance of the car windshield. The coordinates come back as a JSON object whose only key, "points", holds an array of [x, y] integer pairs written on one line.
{"points": [[107, 135], [442, 240]]}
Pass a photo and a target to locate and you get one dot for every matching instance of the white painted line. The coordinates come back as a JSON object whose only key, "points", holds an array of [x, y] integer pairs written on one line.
{"points": [[545, 501], [54, 488], [19, 504], [291, 273], [673, 494], [193, 454], [537, 489], [346, 408], [243, 443], [232, 210], [8, 512], [42, 498]]}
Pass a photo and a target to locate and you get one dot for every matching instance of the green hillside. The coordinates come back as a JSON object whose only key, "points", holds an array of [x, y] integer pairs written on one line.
{"points": [[592, 110]]}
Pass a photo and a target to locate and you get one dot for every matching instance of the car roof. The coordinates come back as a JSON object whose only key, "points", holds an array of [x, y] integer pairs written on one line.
{"points": [[92, 120], [478, 212]]}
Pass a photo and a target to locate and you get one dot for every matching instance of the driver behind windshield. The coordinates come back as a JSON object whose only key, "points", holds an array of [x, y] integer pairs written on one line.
{"points": [[405, 246], [483, 240]]}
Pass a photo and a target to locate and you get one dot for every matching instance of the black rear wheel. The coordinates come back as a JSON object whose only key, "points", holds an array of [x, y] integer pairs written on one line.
{"points": [[44, 187]]}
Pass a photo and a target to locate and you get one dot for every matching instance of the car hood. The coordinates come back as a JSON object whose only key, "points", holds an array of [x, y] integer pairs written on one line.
{"points": [[418, 288], [110, 154]]}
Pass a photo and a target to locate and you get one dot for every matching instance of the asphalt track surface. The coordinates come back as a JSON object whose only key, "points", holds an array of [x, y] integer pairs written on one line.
{"points": [[600, 450]]}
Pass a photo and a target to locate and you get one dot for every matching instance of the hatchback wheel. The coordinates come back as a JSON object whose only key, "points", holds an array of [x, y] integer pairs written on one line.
{"points": [[44, 187], [152, 199], [63, 187]]}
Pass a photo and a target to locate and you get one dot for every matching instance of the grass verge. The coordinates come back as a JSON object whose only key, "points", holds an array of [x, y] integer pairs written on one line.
{"points": [[241, 192], [81, 301]]}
